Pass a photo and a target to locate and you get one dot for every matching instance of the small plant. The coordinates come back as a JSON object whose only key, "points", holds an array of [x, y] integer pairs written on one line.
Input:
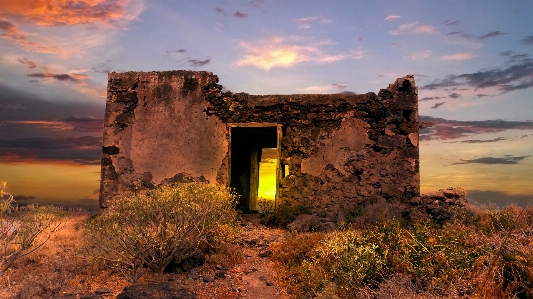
{"points": [[146, 231], [283, 214], [21, 233]]}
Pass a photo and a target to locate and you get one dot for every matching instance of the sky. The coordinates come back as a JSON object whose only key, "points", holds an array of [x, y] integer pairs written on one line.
{"points": [[472, 62]]}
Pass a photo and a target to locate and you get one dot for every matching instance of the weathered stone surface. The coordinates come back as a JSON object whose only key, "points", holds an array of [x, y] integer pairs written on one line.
{"points": [[167, 290], [340, 149]]}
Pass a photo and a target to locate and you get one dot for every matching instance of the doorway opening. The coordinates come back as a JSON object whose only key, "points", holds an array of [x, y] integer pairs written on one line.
{"points": [[254, 163]]}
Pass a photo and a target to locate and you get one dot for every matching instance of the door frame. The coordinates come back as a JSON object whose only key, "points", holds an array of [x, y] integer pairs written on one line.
{"points": [[279, 131]]}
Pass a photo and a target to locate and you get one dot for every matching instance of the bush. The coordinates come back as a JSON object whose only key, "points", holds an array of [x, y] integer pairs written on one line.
{"points": [[282, 214], [21, 233], [146, 231]]}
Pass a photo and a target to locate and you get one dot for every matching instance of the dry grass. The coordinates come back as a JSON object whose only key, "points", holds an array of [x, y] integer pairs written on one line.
{"points": [[60, 266], [477, 254]]}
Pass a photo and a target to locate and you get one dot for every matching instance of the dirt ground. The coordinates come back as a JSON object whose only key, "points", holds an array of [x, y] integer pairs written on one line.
{"points": [[62, 269]]}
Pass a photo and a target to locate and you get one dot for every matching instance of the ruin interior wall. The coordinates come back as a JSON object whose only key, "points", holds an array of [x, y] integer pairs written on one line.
{"points": [[341, 149]]}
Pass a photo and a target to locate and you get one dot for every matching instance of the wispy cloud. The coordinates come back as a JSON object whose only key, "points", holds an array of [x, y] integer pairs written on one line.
{"points": [[197, 63], [527, 40], [451, 23], [445, 129], [492, 34], [306, 23], [289, 51], [12, 34], [479, 140], [239, 14], [512, 77], [392, 18], [59, 77], [458, 56], [83, 124], [410, 28], [176, 52], [454, 95], [82, 150], [507, 159], [29, 63], [225, 13], [421, 55], [437, 105], [425, 99], [323, 88]]}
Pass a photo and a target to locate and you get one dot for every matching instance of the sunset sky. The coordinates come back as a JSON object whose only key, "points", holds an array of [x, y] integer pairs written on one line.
{"points": [[472, 62]]}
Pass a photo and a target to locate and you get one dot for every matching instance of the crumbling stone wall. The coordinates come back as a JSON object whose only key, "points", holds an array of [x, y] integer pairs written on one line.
{"points": [[341, 149]]}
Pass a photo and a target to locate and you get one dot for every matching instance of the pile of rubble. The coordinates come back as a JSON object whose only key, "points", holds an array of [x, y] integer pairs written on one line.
{"points": [[437, 204]]}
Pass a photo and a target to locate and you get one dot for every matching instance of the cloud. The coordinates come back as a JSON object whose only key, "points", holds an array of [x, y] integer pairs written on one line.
{"points": [[323, 88], [445, 129], [492, 34], [19, 38], [512, 77], [11, 106], [197, 63], [239, 14], [84, 124], [421, 55], [507, 160], [527, 40], [451, 23], [410, 28], [454, 95], [480, 95], [425, 99], [458, 56], [176, 52], [82, 150], [484, 140], [479, 140], [306, 23], [30, 64], [437, 105], [68, 12], [289, 51], [392, 18], [59, 77], [500, 198]]}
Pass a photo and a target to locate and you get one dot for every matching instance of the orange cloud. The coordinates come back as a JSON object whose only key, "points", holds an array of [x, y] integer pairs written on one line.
{"points": [[284, 52], [14, 35], [66, 12]]}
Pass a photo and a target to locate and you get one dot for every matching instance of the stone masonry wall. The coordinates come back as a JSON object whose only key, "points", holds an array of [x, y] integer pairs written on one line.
{"points": [[341, 149]]}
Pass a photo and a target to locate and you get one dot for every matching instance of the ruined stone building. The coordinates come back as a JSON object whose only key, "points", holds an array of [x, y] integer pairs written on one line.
{"points": [[334, 151]]}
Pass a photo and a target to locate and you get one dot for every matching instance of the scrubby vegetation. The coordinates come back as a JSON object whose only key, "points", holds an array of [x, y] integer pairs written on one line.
{"points": [[282, 214], [148, 230], [23, 232], [478, 254]]}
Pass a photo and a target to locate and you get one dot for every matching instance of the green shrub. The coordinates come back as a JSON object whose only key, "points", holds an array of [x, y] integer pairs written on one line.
{"points": [[146, 231]]}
